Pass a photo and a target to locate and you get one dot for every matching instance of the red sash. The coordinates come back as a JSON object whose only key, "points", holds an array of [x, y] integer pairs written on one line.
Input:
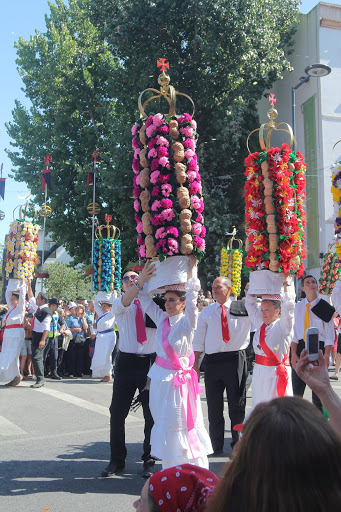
{"points": [[13, 326], [270, 359]]}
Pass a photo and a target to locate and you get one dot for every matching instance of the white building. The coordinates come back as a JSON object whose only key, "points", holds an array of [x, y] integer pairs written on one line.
{"points": [[60, 255], [318, 119]]}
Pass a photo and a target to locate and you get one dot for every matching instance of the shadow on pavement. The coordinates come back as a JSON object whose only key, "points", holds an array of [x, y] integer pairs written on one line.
{"points": [[72, 473]]}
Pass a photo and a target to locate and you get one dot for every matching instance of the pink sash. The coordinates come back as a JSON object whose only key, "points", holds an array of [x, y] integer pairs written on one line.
{"points": [[187, 380]]}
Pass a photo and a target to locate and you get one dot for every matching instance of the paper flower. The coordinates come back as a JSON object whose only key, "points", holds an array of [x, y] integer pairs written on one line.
{"points": [[158, 176], [274, 213]]}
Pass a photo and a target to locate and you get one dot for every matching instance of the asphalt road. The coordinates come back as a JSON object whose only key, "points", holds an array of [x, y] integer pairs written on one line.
{"points": [[54, 443]]}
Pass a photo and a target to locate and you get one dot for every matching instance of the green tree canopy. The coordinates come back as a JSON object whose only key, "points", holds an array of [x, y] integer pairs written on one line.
{"points": [[84, 76], [66, 282]]}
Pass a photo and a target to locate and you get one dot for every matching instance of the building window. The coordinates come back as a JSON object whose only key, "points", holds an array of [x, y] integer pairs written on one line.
{"points": [[48, 245]]}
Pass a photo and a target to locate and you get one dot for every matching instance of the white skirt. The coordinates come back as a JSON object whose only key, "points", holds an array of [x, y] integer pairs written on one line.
{"points": [[9, 355], [264, 384], [101, 362], [169, 436]]}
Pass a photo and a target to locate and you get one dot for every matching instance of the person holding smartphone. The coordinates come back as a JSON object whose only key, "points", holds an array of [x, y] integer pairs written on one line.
{"points": [[312, 311]]}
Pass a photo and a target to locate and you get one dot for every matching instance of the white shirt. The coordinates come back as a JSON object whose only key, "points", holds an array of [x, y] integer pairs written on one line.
{"points": [[182, 328], [16, 315], [336, 296], [45, 324], [108, 319], [326, 329], [125, 320], [278, 334], [208, 336]]}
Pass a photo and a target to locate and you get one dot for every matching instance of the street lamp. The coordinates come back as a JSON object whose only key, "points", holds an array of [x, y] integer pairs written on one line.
{"points": [[314, 70]]}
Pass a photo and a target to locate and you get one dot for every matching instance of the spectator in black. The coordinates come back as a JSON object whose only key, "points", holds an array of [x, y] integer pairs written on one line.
{"points": [[77, 324], [51, 347]]}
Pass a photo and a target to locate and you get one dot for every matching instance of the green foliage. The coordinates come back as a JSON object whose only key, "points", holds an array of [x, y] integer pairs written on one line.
{"points": [[99, 52], [66, 281], [68, 76]]}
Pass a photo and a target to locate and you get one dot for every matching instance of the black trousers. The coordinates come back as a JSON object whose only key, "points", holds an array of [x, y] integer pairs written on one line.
{"points": [[225, 371], [298, 386], [51, 349], [75, 358], [37, 356], [130, 374]]}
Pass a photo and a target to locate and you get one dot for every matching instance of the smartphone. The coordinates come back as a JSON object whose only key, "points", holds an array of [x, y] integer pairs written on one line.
{"points": [[312, 343]]}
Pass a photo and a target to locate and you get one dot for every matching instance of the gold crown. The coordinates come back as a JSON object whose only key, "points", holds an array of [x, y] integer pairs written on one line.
{"points": [[112, 230], [233, 238], [23, 211], [166, 91], [271, 126]]}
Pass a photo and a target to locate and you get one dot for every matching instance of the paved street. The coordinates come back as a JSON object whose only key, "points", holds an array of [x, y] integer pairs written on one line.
{"points": [[54, 444]]}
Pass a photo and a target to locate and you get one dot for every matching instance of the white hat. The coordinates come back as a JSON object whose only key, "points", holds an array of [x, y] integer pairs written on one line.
{"points": [[108, 298], [265, 282], [269, 296], [72, 305], [170, 273]]}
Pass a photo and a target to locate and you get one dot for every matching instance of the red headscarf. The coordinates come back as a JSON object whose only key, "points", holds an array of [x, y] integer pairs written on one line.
{"points": [[184, 488]]}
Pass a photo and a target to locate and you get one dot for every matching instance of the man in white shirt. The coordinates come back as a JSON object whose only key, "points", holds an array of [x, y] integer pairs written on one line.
{"points": [[224, 338], [40, 326], [308, 313], [135, 357]]}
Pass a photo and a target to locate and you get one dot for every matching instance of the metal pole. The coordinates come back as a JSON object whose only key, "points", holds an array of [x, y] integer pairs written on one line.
{"points": [[93, 229], [43, 251]]}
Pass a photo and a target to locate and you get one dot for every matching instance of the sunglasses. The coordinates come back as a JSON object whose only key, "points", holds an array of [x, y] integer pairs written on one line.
{"points": [[128, 278]]}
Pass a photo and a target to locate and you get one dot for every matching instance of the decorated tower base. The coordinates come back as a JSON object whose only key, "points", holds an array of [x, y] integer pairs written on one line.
{"points": [[21, 245], [274, 210], [107, 258], [167, 184]]}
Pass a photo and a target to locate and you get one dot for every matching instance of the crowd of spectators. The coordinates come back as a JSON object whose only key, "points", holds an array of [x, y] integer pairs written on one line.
{"points": [[67, 353]]}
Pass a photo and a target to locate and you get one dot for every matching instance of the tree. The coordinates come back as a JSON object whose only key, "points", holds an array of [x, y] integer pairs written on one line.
{"points": [[68, 77], [223, 54], [66, 281]]}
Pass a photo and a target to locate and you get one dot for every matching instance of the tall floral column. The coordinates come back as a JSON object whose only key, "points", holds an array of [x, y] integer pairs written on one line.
{"points": [[107, 258], [274, 195], [167, 187]]}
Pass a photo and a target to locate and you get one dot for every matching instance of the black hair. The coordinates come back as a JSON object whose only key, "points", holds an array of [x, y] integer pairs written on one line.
{"points": [[44, 297], [180, 294], [306, 277]]}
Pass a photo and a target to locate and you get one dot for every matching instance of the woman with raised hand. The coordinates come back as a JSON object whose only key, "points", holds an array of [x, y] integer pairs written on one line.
{"points": [[274, 319], [178, 435], [12, 334], [104, 333], [288, 460]]}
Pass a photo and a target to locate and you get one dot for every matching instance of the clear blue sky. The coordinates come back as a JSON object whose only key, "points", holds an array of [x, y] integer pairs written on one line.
{"points": [[20, 18]]}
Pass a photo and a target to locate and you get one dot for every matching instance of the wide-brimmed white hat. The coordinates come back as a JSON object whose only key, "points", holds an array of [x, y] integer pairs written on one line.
{"points": [[108, 298], [265, 282], [171, 274]]}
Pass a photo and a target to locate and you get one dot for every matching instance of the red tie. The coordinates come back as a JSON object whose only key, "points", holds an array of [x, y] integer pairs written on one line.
{"points": [[224, 325], [141, 335], [32, 319]]}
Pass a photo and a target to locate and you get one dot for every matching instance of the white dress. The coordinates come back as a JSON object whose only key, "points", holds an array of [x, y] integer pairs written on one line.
{"points": [[13, 338], [101, 365], [169, 437], [336, 296], [278, 336]]}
